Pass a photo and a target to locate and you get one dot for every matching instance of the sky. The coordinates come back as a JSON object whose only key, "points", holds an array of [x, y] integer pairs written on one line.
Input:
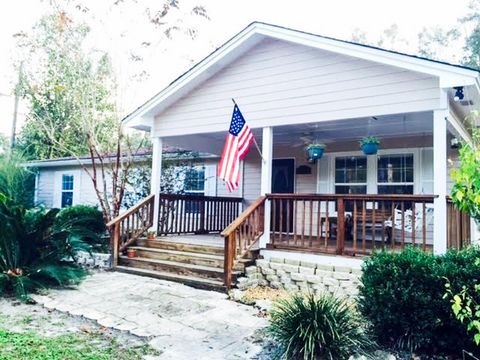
{"points": [[119, 29]]}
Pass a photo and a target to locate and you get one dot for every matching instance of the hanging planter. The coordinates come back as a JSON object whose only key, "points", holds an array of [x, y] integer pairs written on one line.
{"points": [[370, 145], [315, 151]]}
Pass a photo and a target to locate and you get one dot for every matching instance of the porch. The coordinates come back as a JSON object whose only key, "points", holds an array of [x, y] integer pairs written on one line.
{"points": [[191, 243]]}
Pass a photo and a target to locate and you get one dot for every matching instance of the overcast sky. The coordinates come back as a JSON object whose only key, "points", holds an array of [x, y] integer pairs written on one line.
{"points": [[165, 60]]}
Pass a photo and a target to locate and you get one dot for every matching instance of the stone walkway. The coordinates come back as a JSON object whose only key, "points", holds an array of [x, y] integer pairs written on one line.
{"points": [[182, 322]]}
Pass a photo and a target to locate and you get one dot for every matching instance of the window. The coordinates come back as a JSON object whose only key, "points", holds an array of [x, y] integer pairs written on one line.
{"points": [[195, 181], [395, 174], [351, 175], [194, 184], [67, 191]]}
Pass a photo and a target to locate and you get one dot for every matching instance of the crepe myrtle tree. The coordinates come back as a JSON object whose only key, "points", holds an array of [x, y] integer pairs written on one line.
{"points": [[71, 92]]}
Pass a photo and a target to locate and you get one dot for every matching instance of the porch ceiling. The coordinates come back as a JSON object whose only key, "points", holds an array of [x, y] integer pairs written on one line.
{"points": [[327, 132]]}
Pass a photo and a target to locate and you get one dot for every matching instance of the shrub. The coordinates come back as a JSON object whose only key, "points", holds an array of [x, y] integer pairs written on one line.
{"points": [[402, 295], [321, 327], [35, 251], [89, 217]]}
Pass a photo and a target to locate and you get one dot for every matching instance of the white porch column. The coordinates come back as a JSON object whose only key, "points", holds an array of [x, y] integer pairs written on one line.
{"points": [[266, 180], [156, 176], [440, 176]]}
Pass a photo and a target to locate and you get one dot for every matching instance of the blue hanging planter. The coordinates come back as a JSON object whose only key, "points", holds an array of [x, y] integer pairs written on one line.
{"points": [[315, 152], [370, 149], [370, 145]]}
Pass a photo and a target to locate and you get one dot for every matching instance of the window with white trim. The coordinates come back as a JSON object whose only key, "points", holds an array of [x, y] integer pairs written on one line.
{"points": [[67, 190], [351, 175], [395, 174], [194, 181]]}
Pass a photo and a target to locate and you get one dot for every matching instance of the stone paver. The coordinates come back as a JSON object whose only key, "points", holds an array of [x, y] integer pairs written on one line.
{"points": [[182, 322]]}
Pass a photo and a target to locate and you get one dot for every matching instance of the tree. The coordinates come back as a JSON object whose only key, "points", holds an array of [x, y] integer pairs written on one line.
{"points": [[56, 75], [466, 187], [432, 43], [73, 111]]}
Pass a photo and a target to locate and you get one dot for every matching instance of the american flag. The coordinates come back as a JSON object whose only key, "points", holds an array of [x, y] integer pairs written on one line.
{"points": [[236, 147]]}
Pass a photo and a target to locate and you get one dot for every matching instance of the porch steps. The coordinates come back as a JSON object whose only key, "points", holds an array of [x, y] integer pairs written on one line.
{"points": [[205, 284], [196, 265]]}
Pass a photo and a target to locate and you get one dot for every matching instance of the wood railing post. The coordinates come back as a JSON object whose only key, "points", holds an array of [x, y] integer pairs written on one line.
{"points": [[115, 244], [228, 259], [340, 226]]}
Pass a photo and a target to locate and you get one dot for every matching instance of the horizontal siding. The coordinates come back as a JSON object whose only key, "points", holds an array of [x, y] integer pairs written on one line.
{"points": [[278, 83], [45, 188]]}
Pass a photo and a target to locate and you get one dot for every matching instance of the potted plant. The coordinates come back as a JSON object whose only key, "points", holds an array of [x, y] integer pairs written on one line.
{"points": [[151, 234], [131, 253], [315, 151], [369, 145]]}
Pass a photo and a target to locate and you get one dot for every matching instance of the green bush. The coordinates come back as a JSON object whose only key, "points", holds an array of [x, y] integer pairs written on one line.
{"points": [[321, 327], [83, 216], [402, 295]]}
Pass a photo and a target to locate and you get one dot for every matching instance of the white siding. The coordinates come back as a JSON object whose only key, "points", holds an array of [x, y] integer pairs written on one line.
{"points": [[280, 83]]}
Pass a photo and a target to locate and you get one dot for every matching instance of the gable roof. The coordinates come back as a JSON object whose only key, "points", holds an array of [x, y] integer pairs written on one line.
{"points": [[450, 75]]}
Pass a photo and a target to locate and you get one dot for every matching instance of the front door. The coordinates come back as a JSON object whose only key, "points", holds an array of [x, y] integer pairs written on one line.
{"points": [[283, 182]]}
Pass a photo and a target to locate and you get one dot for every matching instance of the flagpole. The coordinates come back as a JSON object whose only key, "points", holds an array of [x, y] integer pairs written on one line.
{"points": [[254, 140]]}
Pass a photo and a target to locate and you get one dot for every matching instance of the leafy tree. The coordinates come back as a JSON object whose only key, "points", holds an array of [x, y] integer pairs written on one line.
{"points": [[466, 187], [63, 86]]}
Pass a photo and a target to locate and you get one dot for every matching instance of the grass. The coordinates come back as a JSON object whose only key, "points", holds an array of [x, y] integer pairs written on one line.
{"points": [[94, 346]]}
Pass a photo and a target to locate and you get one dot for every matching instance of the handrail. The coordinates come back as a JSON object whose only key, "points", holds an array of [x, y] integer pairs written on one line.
{"points": [[243, 216], [201, 197], [130, 211], [241, 235], [367, 197], [129, 226]]}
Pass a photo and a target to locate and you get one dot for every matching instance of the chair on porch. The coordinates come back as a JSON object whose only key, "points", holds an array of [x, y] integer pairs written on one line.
{"points": [[409, 223]]}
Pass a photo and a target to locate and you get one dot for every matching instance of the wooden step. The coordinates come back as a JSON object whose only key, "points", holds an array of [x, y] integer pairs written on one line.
{"points": [[189, 257], [200, 283], [170, 245], [184, 257], [175, 267]]}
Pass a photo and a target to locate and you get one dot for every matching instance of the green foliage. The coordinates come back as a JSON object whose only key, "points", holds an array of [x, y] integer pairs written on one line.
{"points": [[85, 217], [402, 295], [315, 146], [317, 328], [370, 140], [466, 306], [466, 187], [78, 346], [68, 90], [16, 182]]}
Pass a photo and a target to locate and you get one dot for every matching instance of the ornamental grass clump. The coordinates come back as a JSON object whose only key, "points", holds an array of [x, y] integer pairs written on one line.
{"points": [[318, 327]]}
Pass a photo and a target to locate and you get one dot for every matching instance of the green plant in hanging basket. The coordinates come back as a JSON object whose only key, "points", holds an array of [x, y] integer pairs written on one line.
{"points": [[369, 145], [315, 151]]}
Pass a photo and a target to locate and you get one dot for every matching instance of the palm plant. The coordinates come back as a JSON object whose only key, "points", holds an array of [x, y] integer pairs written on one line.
{"points": [[323, 327], [36, 250]]}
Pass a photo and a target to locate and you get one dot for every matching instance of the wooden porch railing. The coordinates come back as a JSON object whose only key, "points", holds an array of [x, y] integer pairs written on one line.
{"points": [[129, 226], [458, 227], [241, 235], [196, 214], [350, 224]]}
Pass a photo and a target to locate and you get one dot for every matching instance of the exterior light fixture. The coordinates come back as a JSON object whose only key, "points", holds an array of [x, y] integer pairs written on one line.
{"points": [[458, 93]]}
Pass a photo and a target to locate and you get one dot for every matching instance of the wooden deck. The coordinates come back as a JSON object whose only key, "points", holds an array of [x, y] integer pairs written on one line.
{"points": [[202, 239]]}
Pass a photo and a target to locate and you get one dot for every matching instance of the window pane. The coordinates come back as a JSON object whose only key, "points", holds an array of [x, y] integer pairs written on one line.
{"points": [[351, 169], [395, 168], [194, 180], [67, 198], [67, 182], [352, 189], [395, 189]]}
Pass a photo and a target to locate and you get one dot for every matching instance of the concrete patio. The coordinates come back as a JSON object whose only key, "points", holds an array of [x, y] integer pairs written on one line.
{"points": [[181, 322]]}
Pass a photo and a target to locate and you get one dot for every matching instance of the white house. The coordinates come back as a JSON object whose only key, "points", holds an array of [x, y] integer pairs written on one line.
{"points": [[294, 88]]}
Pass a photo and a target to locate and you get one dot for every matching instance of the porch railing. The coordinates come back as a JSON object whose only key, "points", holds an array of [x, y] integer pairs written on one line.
{"points": [[458, 227], [196, 214], [129, 226], [350, 224]]}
